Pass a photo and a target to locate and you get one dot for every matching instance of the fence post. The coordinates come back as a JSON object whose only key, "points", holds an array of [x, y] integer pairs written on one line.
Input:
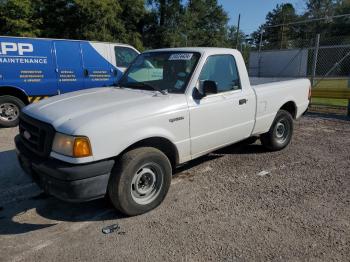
{"points": [[314, 65], [260, 46], [349, 99]]}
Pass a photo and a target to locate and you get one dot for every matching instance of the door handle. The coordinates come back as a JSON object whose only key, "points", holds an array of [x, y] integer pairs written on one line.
{"points": [[243, 101], [86, 72]]}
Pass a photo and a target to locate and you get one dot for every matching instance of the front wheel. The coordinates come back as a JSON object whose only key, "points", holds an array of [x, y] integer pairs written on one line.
{"points": [[10, 107], [280, 133], [140, 180]]}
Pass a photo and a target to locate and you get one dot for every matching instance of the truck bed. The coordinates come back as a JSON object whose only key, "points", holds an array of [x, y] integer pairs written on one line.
{"points": [[254, 81], [272, 92]]}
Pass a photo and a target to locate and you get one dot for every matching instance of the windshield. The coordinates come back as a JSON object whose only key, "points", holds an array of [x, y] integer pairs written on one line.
{"points": [[161, 71]]}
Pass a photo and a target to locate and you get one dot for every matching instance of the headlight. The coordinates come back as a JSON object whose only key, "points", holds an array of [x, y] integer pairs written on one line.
{"points": [[73, 146]]}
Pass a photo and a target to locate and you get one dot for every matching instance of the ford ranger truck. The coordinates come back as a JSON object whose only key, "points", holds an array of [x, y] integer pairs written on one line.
{"points": [[171, 106]]}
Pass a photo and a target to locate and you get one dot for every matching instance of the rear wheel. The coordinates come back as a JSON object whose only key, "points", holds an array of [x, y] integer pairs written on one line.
{"points": [[140, 181], [10, 107], [280, 133]]}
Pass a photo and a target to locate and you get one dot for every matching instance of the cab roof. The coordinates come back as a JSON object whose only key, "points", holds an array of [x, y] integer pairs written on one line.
{"points": [[202, 50]]}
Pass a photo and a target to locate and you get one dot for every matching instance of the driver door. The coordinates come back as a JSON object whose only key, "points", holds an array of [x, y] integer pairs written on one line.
{"points": [[223, 118]]}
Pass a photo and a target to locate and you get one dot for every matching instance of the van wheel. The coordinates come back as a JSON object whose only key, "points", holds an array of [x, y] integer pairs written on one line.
{"points": [[280, 133], [10, 107], [140, 180]]}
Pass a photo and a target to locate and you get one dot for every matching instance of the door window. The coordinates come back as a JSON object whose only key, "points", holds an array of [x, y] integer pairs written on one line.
{"points": [[124, 55], [223, 70]]}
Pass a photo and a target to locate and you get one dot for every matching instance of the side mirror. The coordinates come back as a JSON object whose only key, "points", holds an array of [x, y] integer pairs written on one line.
{"points": [[209, 87]]}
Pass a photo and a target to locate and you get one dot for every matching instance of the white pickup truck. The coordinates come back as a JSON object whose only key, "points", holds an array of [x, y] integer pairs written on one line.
{"points": [[171, 106]]}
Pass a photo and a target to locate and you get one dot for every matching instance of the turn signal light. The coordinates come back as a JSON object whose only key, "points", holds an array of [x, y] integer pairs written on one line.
{"points": [[82, 147]]}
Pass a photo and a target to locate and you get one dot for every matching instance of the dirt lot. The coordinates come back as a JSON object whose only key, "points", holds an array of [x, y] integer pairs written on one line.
{"points": [[218, 208]]}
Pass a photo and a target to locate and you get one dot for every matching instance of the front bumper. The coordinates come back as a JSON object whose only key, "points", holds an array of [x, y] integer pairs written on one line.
{"points": [[69, 182]]}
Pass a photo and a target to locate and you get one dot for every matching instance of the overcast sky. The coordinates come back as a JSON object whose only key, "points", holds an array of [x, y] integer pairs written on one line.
{"points": [[253, 12]]}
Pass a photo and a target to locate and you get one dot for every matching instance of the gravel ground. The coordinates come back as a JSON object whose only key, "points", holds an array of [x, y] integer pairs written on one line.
{"points": [[219, 208]]}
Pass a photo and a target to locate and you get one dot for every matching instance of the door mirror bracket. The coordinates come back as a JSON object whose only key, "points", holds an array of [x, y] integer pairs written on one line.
{"points": [[209, 87]]}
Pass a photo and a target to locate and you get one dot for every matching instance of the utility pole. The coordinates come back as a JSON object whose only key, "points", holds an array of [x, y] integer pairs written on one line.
{"points": [[261, 39], [237, 36]]}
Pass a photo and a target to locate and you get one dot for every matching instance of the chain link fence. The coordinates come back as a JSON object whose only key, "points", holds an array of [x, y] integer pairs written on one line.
{"points": [[324, 60]]}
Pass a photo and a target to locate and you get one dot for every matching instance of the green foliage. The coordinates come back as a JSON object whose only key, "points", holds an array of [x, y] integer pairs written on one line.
{"points": [[131, 17], [19, 17], [98, 20], [164, 19], [165, 23], [317, 9], [207, 23], [275, 35], [342, 25], [58, 16], [102, 20], [174, 23], [231, 37], [144, 24], [82, 19]]}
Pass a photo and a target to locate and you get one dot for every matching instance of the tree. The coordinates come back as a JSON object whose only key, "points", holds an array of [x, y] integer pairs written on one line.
{"points": [[18, 18], [154, 24], [316, 9], [59, 18], [341, 26], [103, 20], [98, 20], [205, 23], [133, 17], [231, 37], [163, 23], [275, 34], [192, 23]]}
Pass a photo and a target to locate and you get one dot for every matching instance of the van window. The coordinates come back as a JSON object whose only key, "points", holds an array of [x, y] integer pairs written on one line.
{"points": [[223, 70], [124, 55]]}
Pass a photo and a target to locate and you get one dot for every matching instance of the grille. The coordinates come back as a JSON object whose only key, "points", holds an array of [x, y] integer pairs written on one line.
{"points": [[36, 136]]}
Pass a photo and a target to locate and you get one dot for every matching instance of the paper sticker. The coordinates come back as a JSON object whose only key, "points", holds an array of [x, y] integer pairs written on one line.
{"points": [[182, 56]]}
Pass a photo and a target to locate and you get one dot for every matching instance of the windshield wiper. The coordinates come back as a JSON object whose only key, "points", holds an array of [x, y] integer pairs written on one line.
{"points": [[142, 84]]}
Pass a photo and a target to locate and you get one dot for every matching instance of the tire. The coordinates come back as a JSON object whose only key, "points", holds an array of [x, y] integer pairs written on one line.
{"points": [[10, 107], [139, 181], [280, 133]]}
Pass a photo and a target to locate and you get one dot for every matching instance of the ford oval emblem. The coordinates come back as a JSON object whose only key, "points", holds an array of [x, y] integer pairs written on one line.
{"points": [[26, 135]]}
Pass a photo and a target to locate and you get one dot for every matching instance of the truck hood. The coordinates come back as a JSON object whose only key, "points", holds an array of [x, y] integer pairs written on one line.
{"points": [[70, 112]]}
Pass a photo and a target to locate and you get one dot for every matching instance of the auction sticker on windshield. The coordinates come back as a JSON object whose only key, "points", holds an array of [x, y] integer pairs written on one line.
{"points": [[182, 56]]}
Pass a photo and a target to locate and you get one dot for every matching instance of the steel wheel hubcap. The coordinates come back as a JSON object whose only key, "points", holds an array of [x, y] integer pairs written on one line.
{"points": [[146, 184], [8, 111], [281, 131]]}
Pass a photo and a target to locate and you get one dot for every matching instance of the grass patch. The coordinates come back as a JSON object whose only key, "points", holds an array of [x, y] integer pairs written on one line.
{"points": [[329, 102], [332, 83]]}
